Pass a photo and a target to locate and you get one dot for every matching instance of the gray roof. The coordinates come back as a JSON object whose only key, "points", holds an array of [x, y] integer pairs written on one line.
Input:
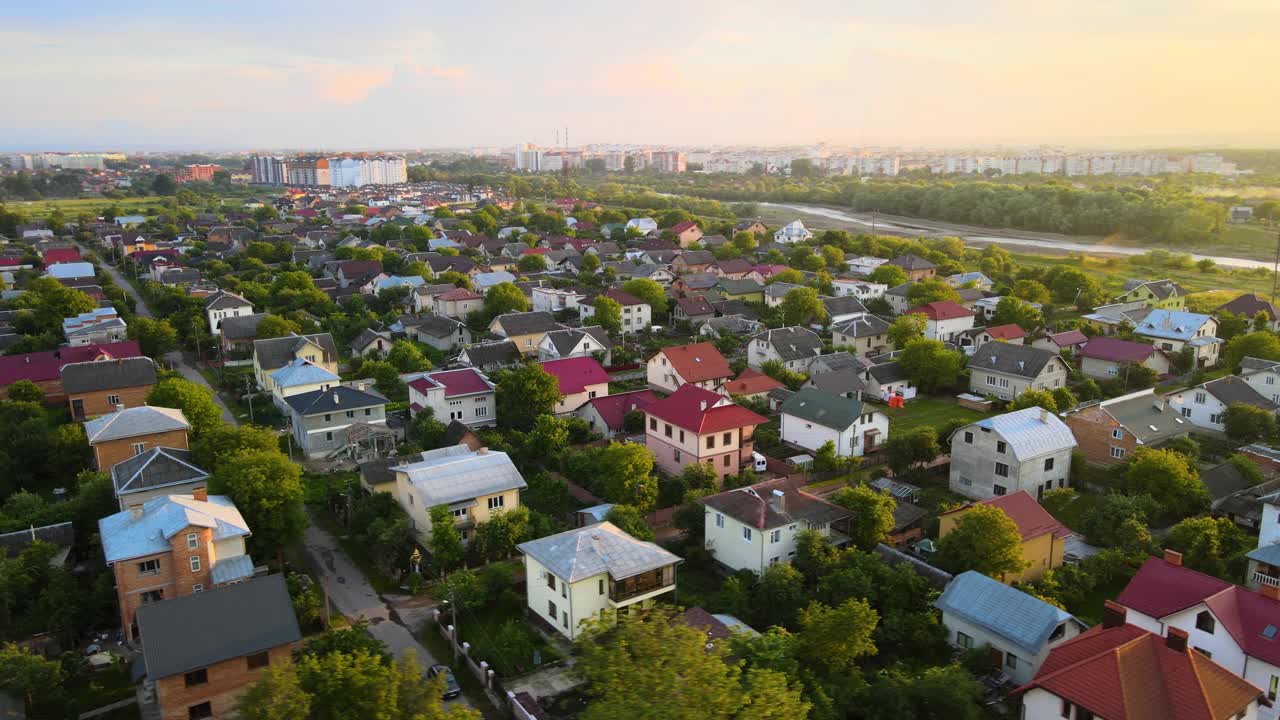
{"points": [[779, 289], [493, 353], [225, 299], [566, 340], [792, 343], [274, 353], [335, 399], [751, 505], [435, 325], [1224, 479], [835, 361], [97, 375], [1024, 620], [1148, 417], [744, 286], [1231, 390], [838, 382], [866, 326], [157, 467], [196, 631], [887, 372], [1020, 360], [12, 544], [588, 551], [125, 536], [241, 327], [237, 567], [901, 290], [697, 257], [527, 323], [912, 262], [823, 408], [367, 337], [459, 474], [843, 305], [131, 422], [1030, 432]]}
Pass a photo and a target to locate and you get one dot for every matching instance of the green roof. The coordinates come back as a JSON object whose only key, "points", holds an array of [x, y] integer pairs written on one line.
{"points": [[823, 408]]}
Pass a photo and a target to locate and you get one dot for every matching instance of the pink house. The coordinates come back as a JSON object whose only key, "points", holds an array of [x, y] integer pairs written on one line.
{"points": [[696, 425]]}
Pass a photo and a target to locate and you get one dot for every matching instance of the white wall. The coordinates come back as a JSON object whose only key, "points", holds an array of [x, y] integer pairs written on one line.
{"points": [[1270, 531], [1267, 383], [1200, 407], [726, 541], [1027, 663]]}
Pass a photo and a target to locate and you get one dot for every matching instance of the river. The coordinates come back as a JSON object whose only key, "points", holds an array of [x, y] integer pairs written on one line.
{"points": [[1060, 245]]}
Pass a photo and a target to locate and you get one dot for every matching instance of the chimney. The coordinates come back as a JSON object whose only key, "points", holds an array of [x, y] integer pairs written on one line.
{"points": [[135, 512], [702, 405], [778, 501], [201, 494], [1176, 639], [1173, 557], [483, 451], [119, 407], [1269, 591], [1113, 614], [1044, 416], [335, 398]]}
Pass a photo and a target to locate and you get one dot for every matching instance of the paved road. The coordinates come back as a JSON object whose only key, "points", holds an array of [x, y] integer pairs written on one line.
{"points": [[175, 359]]}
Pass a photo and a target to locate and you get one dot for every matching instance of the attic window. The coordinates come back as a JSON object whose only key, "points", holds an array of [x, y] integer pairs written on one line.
{"points": [[1153, 428], [1270, 631]]}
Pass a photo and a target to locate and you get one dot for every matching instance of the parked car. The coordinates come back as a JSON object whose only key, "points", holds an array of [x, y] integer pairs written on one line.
{"points": [[761, 464], [451, 688]]}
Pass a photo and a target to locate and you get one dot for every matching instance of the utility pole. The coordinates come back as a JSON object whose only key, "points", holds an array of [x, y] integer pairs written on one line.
{"points": [[453, 610], [248, 395]]}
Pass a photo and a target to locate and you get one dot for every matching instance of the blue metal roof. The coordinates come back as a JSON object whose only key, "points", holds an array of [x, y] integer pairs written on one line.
{"points": [[1269, 554], [1024, 620], [1171, 324], [301, 372]]}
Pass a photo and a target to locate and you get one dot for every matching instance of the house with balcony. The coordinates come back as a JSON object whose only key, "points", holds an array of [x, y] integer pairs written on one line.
{"points": [[473, 484], [1027, 449], [693, 425], [344, 418], [580, 574], [751, 528], [463, 395]]}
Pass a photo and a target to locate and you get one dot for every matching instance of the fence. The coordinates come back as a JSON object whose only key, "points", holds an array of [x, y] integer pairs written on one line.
{"points": [[480, 670]]}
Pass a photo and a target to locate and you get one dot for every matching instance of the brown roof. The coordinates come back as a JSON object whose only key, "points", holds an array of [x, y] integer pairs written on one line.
{"points": [[751, 505], [697, 362]]}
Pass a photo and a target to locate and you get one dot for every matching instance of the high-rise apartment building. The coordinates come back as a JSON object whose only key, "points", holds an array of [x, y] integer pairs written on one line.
{"points": [[196, 173], [670, 161]]}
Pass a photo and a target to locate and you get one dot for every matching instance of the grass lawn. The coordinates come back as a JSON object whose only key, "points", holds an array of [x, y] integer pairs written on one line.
{"points": [[1074, 512], [1090, 610], [1112, 272], [928, 412], [500, 635], [103, 688]]}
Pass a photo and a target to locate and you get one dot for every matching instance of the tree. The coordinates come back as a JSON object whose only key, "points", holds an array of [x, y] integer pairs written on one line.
{"points": [[770, 696], [276, 695], [497, 537], [802, 306], [386, 378], [1262, 345], [1101, 524], [524, 394], [157, 338], [195, 401], [930, 365], [1169, 478], [649, 292], [348, 640], [445, 543], [745, 241], [984, 539], [1030, 291], [947, 692], [347, 686], [1012, 311], [906, 328], [405, 357], [778, 596], [163, 184], [929, 290], [1247, 424], [608, 314], [455, 278], [49, 302], [1212, 545], [224, 441], [1064, 399], [835, 638], [904, 449], [1071, 286], [891, 275], [631, 521], [504, 298], [274, 326], [1034, 398], [532, 263], [26, 391], [620, 472], [790, 275], [267, 489], [872, 519], [33, 679]]}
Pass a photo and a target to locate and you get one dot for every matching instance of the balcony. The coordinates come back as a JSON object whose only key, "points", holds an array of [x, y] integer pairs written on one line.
{"points": [[1261, 578], [642, 586]]}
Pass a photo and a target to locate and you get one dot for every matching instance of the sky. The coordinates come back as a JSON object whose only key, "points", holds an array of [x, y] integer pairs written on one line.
{"points": [[327, 75]]}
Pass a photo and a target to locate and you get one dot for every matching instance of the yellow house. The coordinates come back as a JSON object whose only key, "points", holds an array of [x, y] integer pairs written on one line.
{"points": [[272, 354], [131, 244], [525, 329], [1163, 294], [473, 484], [1043, 537]]}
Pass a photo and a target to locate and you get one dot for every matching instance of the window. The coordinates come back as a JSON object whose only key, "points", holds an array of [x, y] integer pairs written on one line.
{"points": [[1274, 688], [114, 400], [1215, 418], [460, 513], [726, 460], [564, 619], [998, 489], [1117, 453], [1001, 447], [719, 520], [551, 582], [1117, 434], [676, 455], [991, 379], [149, 567], [200, 712], [1002, 470], [482, 412], [653, 424], [666, 429], [1066, 709], [968, 437], [775, 536], [1004, 383], [601, 581], [773, 560], [193, 541], [1205, 622], [496, 501], [711, 441], [328, 436], [351, 414], [965, 481], [195, 563], [1010, 661], [328, 417], [139, 448], [746, 534], [1048, 463], [152, 596], [198, 587], [1082, 714], [726, 439], [197, 677], [258, 660], [551, 610], [681, 436], [564, 590], [1200, 398]]}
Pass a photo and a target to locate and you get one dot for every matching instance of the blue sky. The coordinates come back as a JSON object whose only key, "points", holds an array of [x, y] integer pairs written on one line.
{"points": [[418, 74]]}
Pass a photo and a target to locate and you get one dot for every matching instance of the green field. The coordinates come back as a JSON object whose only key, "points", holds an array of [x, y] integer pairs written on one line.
{"points": [[1111, 273], [148, 205], [929, 412]]}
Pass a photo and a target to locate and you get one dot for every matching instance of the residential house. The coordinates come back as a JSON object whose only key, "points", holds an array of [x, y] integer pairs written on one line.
{"points": [[127, 432], [1027, 449], [1069, 341], [754, 527], [474, 484], [580, 379], [424, 297], [392, 282], [863, 265], [1110, 431], [437, 331], [845, 383], [1105, 358], [525, 329], [156, 473], [693, 310], [1006, 371], [794, 347], [1043, 537], [371, 343], [356, 272], [696, 425], [970, 340], [748, 290], [776, 292], [792, 232], [687, 233], [236, 337], [575, 342], [1163, 294], [550, 299], [96, 327], [224, 304], [1205, 405], [898, 297], [1261, 375], [916, 267], [1111, 319], [1264, 561], [749, 385], [1017, 629], [1172, 330], [325, 422], [862, 290], [944, 320], [172, 546], [642, 225], [973, 279], [1251, 306], [485, 280], [695, 261], [98, 387], [45, 368], [866, 335], [887, 379], [457, 303], [656, 273], [841, 310], [607, 414], [204, 650], [464, 396], [699, 364], [751, 226], [71, 271], [272, 354], [487, 357], [299, 376], [1094, 677], [811, 418], [735, 324]]}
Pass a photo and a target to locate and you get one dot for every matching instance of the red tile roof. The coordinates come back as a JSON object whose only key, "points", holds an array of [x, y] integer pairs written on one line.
{"points": [[1127, 673], [768, 270], [702, 411], [1006, 332], [461, 382], [1032, 519], [1070, 337], [535, 251], [622, 298], [58, 255], [460, 294], [613, 409], [942, 310], [682, 226], [697, 362], [1116, 350], [751, 382], [575, 374], [47, 365]]}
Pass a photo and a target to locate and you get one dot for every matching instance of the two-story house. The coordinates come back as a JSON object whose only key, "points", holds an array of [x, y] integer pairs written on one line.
{"points": [[525, 329], [576, 575], [272, 354], [102, 386], [1263, 376], [473, 484], [1264, 561], [299, 376], [553, 300], [127, 432], [863, 290], [1172, 330], [323, 420], [1205, 405], [636, 314], [1251, 306], [457, 303], [96, 327], [753, 527], [440, 332], [171, 546], [693, 425], [1105, 358], [1043, 537], [699, 364], [866, 335], [694, 310], [222, 305], [794, 347], [1006, 371], [811, 418], [944, 320], [156, 472], [687, 233], [203, 651], [1110, 431], [424, 297], [464, 395], [916, 267], [575, 342], [1162, 294], [580, 379], [1027, 449], [792, 232], [1018, 630]]}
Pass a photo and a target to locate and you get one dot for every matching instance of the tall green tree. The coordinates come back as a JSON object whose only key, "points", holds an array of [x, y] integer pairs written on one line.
{"points": [[608, 314], [276, 695], [872, 519], [524, 394], [1170, 479], [445, 543], [157, 338], [195, 401], [930, 365], [801, 306], [267, 489], [504, 298], [906, 328], [837, 637], [930, 290], [984, 539]]}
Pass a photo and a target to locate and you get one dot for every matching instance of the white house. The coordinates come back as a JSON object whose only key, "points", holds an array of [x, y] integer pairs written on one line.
{"points": [[945, 320], [1263, 376], [792, 232], [549, 299], [223, 304], [575, 576], [751, 528], [794, 347], [863, 290], [864, 265], [1028, 449], [1206, 405], [464, 395], [812, 418], [636, 314], [642, 224], [574, 342]]}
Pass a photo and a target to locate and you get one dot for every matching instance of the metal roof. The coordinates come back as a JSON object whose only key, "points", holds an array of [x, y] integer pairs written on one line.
{"points": [[1024, 620], [588, 551], [453, 474], [233, 568], [1030, 432], [110, 374], [125, 536], [302, 372], [131, 422], [1171, 324], [157, 467], [335, 399], [823, 408]]}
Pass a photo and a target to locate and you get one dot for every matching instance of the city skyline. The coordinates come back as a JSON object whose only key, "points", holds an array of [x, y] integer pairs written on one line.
{"points": [[903, 73]]}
